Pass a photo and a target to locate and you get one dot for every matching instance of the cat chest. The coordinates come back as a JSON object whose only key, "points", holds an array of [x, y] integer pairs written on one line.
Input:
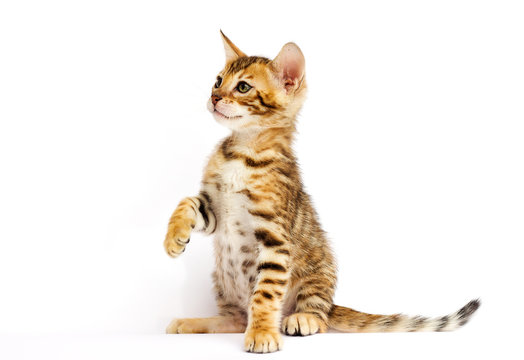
{"points": [[233, 204], [234, 176]]}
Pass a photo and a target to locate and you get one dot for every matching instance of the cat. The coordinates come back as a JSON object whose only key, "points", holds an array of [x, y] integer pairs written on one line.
{"points": [[275, 270]]}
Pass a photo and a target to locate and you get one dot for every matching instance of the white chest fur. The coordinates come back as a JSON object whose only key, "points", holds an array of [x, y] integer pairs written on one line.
{"points": [[234, 175], [235, 245], [231, 202]]}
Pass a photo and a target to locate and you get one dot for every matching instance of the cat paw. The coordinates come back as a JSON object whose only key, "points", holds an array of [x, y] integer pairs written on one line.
{"points": [[173, 326], [302, 324], [262, 341], [184, 326], [177, 238]]}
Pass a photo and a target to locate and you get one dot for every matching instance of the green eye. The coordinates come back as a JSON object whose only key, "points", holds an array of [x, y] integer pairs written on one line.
{"points": [[243, 87], [219, 82]]}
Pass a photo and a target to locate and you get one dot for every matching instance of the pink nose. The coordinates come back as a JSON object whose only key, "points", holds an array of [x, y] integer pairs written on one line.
{"points": [[215, 99]]}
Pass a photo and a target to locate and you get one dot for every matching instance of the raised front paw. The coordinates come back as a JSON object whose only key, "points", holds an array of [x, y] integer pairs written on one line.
{"points": [[263, 340], [177, 237]]}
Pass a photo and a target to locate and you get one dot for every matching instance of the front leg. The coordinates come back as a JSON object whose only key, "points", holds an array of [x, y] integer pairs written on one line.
{"points": [[193, 213], [262, 334]]}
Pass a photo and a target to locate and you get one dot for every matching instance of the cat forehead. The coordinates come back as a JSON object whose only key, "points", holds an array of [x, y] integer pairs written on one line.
{"points": [[243, 63]]}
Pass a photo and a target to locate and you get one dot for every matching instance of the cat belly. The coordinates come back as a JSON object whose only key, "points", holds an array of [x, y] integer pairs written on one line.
{"points": [[235, 249], [235, 268], [236, 254]]}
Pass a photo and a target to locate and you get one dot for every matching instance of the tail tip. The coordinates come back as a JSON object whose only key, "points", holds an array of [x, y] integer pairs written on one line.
{"points": [[467, 310]]}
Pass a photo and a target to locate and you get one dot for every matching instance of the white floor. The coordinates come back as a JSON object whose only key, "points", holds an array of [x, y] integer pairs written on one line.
{"points": [[467, 343]]}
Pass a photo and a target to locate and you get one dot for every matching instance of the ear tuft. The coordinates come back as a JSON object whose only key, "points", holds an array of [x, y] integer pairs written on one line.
{"points": [[232, 51], [290, 66]]}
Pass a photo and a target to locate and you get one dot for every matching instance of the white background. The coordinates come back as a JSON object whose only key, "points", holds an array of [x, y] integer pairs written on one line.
{"points": [[410, 143]]}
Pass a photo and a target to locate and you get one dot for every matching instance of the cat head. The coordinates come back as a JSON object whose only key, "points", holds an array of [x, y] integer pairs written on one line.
{"points": [[255, 93]]}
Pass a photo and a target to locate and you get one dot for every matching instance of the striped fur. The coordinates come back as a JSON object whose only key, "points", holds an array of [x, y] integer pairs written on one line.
{"points": [[275, 271], [349, 320]]}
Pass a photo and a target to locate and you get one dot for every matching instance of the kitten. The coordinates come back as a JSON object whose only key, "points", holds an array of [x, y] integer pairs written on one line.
{"points": [[273, 261]]}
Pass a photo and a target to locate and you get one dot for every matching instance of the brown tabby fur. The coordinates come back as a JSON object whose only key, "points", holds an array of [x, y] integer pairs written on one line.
{"points": [[273, 261]]}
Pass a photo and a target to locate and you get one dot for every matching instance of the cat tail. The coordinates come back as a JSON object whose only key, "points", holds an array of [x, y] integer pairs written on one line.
{"points": [[348, 320]]}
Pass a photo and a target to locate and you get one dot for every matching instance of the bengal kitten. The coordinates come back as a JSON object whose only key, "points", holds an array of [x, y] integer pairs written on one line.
{"points": [[272, 257]]}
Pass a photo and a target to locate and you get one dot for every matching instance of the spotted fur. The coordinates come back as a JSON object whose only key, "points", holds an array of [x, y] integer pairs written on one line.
{"points": [[275, 270]]}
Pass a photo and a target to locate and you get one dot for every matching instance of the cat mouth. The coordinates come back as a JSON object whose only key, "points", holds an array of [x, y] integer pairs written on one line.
{"points": [[219, 114]]}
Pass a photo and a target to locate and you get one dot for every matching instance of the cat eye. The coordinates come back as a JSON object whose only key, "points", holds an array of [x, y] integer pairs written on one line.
{"points": [[243, 87], [218, 82]]}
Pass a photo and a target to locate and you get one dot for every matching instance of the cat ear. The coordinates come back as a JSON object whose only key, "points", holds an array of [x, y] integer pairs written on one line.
{"points": [[232, 51], [290, 66]]}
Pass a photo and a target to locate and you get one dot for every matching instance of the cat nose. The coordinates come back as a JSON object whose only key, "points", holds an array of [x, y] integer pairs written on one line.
{"points": [[215, 99]]}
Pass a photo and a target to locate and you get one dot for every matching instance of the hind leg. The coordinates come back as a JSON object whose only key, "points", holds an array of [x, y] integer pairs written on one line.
{"points": [[313, 304], [231, 319], [215, 324], [303, 324]]}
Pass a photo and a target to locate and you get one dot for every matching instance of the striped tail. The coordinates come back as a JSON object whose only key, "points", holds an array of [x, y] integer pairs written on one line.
{"points": [[349, 320]]}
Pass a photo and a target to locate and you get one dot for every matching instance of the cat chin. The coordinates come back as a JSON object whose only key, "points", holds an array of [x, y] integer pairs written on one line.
{"points": [[234, 124], [218, 115]]}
